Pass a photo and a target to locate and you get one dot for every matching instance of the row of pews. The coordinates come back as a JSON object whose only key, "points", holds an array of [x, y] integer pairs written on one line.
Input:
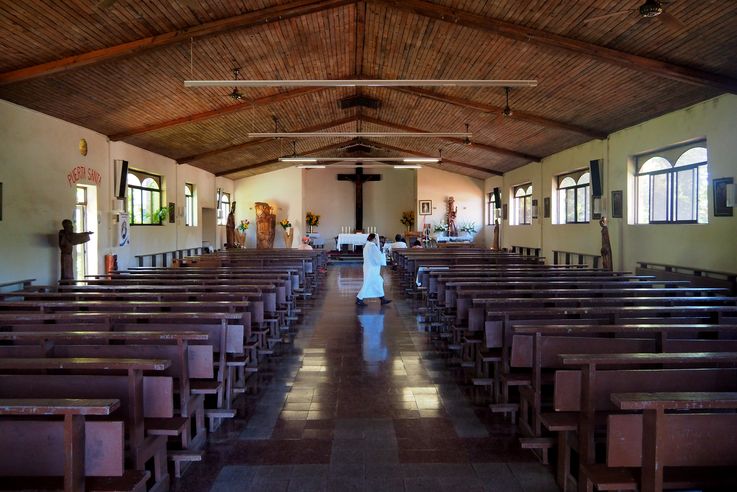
{"points": [[114, 380], [630, 382]]}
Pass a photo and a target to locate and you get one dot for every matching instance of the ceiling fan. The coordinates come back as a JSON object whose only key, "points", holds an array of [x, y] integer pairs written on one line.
{"points": [[648, 10], [236, 94]]}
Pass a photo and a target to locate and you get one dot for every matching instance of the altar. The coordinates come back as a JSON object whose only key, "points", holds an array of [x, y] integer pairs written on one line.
{"points": [[351, 240]]}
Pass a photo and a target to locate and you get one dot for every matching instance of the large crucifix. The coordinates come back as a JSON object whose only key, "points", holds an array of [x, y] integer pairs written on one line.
{"points": [[359, 179]]}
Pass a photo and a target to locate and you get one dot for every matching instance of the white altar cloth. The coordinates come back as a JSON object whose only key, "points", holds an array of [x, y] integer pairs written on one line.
{"points": [[351, 240]]}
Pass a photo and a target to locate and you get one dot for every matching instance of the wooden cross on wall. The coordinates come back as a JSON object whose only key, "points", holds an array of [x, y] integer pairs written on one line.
{"points": [[359, 179]]}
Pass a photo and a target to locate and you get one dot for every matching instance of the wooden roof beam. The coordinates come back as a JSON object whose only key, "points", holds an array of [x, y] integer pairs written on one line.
{"points": [[251, 167], [448, 161], [259, 141], [295, 8], [488, 108], [206, 115], [539, 37], [488, 147]]}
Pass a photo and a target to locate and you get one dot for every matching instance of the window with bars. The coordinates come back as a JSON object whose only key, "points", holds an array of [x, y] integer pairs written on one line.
{"points": [[224, 209], [144, 198], [671, 185], [522, 213], [574, 190], [189, 206], [491, 208]]}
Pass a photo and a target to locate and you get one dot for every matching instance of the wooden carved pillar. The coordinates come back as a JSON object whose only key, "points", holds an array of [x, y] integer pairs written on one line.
{"points": [[606, 246], [265, 226]]}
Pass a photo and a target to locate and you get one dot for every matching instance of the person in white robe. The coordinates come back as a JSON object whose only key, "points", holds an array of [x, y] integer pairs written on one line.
{"points": [[373, 284]]}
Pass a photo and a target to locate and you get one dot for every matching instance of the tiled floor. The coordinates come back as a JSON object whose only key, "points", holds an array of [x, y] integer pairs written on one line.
{"points": [[361, 402]]}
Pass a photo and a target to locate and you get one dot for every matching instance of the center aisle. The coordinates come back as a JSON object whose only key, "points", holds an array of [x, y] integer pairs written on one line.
{"points": [[361, 402]]}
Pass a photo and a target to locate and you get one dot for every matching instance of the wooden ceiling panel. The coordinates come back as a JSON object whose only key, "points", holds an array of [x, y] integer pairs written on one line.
{"points": [[140, 97]]}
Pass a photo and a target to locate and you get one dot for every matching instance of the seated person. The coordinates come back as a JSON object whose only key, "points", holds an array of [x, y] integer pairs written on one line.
{"points": [[416, 244], [305, 245], [399, 242]]}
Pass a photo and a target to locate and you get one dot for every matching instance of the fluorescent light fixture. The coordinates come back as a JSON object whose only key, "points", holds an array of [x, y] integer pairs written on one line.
{"points": [[297, 159], [311, 166], [410, 166], [413, 160], [361, 83], [358, 134]]}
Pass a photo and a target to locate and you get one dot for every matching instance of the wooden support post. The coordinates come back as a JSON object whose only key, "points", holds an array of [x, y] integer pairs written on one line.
{"points": [[74, 468]]}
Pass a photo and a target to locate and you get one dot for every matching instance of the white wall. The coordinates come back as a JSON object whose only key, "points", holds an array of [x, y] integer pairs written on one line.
{"points": [[708, 246], [280, 189], [37, 152], [437, 185]]}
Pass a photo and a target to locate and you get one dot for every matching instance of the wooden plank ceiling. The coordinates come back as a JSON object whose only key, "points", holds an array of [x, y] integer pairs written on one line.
{"points": [[119, 70]]}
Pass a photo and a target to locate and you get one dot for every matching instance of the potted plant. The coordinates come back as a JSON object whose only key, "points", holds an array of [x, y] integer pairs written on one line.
{"points": [[408, 219], [288, 232], [240, 233], [312, 220]]}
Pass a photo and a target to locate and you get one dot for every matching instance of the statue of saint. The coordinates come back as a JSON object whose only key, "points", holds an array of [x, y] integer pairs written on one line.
{"points": [[606, 246], [230, 228], [67, 240], [452, 211], [495, 243], [265, 226]]}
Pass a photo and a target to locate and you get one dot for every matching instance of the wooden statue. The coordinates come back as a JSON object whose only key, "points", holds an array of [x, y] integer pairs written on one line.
{"points": [[606, 246], [230, 241], [495, 243], [452, 211], [265, 226], [67, 240]]}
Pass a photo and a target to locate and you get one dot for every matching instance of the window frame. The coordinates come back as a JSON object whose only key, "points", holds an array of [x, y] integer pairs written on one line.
{"points": [[132, 188], [576, 177], [189, 206], [526, 202], [491, 208], [224, 211], [671, 154]]}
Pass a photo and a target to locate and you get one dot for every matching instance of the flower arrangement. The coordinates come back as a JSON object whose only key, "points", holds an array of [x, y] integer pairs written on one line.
{"points": [[312, 219], [442, 227], [243, 226], [469, 227], [305, 240], [408, 218], [285, 224]]}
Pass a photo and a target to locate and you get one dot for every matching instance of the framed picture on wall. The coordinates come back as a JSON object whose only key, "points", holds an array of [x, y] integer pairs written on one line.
{"points": [[504, 211], [546, 207], [720, 197], [617, 209], [534, 208], [172, 211], [425, 207]]}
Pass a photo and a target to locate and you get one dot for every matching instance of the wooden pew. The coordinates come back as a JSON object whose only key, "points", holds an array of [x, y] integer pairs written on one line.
{"points": [[31, 448], [24, 382]]}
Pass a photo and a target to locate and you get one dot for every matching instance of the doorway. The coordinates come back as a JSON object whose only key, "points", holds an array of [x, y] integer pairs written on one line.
{"points": [[85, 214]]}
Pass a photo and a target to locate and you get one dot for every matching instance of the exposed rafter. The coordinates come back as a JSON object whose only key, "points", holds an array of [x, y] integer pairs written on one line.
{"points": [[269, 162], [259, 17], [539, 37], [233, 108], [488, 108], [488, 147], [259, 141], [360, 38], [447, 161]]}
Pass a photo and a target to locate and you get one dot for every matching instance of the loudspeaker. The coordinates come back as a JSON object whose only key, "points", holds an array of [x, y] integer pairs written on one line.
{"points": [[121, 178], [595, 168], [498, 197]]}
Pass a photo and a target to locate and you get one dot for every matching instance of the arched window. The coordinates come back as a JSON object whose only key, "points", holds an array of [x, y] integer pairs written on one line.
{"points": [[672, 185], [144, 198], [224, 209], [574, 190], [522, 213], [189, 208]]}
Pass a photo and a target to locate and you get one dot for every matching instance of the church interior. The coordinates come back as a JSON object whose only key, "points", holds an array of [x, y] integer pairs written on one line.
{"points": [[189, 194]]}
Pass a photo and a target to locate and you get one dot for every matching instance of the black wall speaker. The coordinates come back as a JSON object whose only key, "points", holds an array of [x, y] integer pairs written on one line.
{"points": [[498, 197], [595, 168], [121, 178]]}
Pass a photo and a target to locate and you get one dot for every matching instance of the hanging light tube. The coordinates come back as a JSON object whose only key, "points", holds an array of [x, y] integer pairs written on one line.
{"points": [[412, 160], [358, 134], [361, 83]]}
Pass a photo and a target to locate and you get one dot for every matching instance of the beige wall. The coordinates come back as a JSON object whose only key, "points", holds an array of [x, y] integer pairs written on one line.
{"points": [[280, 189], [708, 246], [437, 185], [36, 154]]}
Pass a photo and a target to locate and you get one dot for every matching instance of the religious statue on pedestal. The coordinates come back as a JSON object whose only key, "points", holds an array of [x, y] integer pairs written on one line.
{"points": [[495, 243], [67, 240], [606, 247], [265, 226], [230, 228], [452, 212]]}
